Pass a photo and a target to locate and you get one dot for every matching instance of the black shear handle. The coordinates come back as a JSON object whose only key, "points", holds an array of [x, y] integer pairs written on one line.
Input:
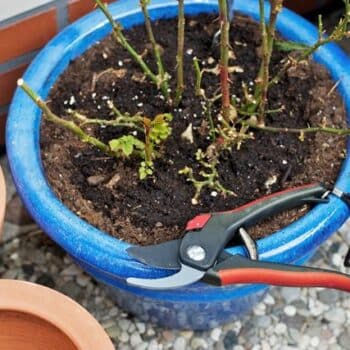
{"points": [[239, 269], [212, 232]]}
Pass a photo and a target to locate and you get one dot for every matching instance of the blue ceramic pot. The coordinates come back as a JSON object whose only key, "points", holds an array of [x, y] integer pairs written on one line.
{"points": [[198, 306]]}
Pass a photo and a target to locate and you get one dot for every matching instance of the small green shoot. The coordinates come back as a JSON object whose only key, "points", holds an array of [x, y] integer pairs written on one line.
{"points": [[126, 145], [289, 46], [146, 169], [160, 128], [210, 177]]}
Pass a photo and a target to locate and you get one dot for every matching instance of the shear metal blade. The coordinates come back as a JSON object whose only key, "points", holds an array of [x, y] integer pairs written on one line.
{"points": [[164, 255], [187, 275]]}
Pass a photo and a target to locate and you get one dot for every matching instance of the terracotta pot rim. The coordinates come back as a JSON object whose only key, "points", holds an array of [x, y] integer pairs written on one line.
{"points": [[59, 310], [2, 203]]}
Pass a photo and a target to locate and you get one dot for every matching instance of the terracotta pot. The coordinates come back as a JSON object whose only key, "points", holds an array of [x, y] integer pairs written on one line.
{"points": [[34, 317], [306, 6], [2, 200]]}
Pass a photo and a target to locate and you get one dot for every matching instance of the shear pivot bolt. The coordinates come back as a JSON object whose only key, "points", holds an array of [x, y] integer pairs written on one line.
{"points": [[196, 253]]}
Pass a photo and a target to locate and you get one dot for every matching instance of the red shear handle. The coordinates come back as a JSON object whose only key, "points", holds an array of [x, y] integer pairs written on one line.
{"points": [[239, 269], [286, 278]]}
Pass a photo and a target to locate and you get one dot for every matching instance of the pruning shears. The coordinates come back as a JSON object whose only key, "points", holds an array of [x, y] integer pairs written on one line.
{"points": [[200, 254]]}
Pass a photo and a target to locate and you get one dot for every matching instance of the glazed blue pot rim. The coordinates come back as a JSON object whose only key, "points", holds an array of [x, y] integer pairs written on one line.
{"points": [[85, 242]]}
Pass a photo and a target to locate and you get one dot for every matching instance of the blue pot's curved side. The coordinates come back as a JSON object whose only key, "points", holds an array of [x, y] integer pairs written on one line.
{"points": [[103, 256], [182, 312], [200, 316]]}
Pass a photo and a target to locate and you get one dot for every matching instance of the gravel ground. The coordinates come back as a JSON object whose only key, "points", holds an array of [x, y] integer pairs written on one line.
{"points": [[287, 318]]}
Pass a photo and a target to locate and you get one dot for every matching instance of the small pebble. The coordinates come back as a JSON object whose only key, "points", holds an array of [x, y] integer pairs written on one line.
{"points": [[142, 346], [316, 307], [95, 179], [294, 335], [132, 328], [265, 345], [215, 334], [187, 334], [327, 296], [114, 311], [135, 340], [46, 280], [273, 340], [124, 337], [336, 315], [124, 324], [304, 341], [150, 332], [337, 260], [269, 299], [314, 341], [260, 309], [14, 256], [83, 280], [71, 289], [230, 339], [180, 343], [113, 331], [72, 270], [263, 321], [153, 345], [141, 327], [168, 335], [344, 339], [280, 328], [290, 310], [199, 343]]}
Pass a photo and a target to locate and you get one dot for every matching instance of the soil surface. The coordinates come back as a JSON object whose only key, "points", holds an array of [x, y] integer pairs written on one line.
{"points": [[107, 193]]}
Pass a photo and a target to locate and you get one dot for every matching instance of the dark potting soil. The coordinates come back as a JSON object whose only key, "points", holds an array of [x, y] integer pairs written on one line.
{"points": [[107, 193]]}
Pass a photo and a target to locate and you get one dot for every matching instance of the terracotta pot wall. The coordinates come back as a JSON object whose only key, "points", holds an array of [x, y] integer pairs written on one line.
{"points": [[19, 330], [2, 200], [34, 317]]}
